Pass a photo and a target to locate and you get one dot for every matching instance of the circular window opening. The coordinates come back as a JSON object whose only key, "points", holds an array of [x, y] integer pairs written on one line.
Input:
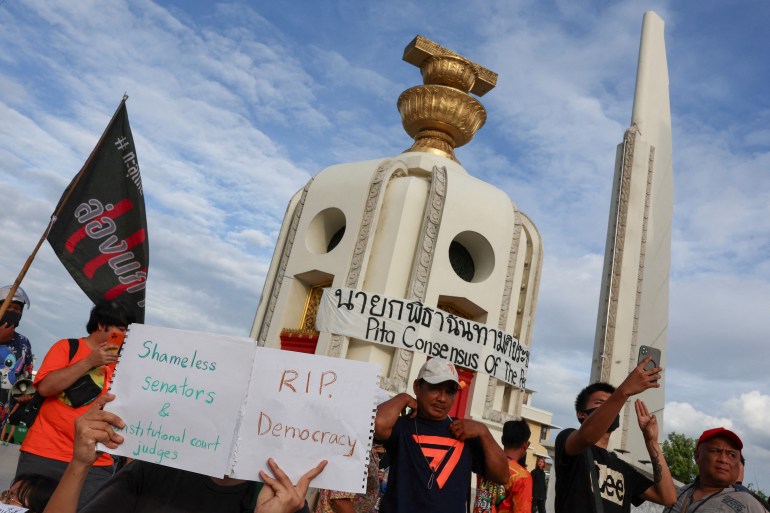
{"points": [[325, 231], [461, 261], [336, 238], [472, 257]]}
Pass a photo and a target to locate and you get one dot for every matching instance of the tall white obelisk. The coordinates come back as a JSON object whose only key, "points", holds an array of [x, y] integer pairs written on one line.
{"points": [[633, 306]]}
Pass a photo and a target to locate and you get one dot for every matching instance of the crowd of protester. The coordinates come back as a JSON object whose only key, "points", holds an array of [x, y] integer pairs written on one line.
{"points": [[422, 459]]}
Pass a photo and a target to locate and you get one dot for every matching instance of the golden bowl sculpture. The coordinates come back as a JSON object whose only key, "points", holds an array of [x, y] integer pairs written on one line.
{"points": [[441, 108], [449, 71]]}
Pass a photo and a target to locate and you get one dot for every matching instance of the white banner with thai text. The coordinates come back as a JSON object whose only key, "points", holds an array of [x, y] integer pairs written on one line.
{"points": [[413, 326]]}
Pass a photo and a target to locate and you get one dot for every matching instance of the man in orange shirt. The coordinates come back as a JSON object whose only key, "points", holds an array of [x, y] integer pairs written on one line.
{"points": [[516, 495], [88, 362]]}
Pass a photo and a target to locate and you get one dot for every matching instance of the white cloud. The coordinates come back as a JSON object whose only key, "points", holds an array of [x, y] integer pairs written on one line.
{"points": [[683, 418], [745, 414], [753, 410]]}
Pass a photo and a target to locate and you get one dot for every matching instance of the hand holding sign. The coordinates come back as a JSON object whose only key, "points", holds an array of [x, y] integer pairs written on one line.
{"points": [[279, 495], [182, 408], [308, 408], [96, 425], [175, 393]]}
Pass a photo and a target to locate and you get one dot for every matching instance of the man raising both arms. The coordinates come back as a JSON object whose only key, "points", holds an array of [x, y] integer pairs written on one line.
{"points": [[578, 451], [431, 454]]}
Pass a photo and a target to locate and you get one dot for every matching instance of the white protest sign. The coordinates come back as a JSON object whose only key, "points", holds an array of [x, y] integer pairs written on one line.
{"points": [[219, 405], [302, 409], [179, 393], [413, 326]]}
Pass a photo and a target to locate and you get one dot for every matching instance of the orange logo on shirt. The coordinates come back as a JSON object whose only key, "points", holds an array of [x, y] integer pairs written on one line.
{"points": [[442, 454]]}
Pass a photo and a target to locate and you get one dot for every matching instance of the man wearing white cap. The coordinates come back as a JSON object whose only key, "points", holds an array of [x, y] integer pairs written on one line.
{"points": [[431, 454], [718, 456]]}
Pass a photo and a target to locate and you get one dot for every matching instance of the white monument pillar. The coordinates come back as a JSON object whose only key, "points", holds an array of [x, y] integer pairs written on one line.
{"points": [[633, 305]]}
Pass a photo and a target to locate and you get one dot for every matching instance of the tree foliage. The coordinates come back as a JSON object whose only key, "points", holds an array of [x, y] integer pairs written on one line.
{"points": [[757, 493], [679, 452]]}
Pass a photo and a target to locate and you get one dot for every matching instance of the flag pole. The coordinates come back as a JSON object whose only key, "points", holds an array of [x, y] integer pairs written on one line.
{"points": [[27, 264], [55, 215]]}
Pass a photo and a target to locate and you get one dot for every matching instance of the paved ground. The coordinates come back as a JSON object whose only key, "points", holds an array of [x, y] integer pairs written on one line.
{"points": [[8, 457]]}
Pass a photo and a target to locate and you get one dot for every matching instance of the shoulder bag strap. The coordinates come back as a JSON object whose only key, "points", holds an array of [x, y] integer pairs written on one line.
{"points": [[598, 508], [74, 345]]}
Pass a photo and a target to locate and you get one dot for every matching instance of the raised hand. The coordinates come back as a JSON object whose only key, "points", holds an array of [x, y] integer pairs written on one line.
{"points": [[463, 429], [410, 407], [647, 423], [6, 332], [96, 425], [640, 380], [103, 355], [279, 495]]}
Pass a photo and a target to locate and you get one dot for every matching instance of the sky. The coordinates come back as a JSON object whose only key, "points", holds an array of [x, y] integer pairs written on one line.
{"points": [[235, 105]]}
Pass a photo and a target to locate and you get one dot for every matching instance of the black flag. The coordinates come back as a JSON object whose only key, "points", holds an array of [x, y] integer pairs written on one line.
{"points": [[100, 233]]}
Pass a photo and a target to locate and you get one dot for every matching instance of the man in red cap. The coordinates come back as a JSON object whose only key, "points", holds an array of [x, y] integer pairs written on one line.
{"points": [[718, 456]]}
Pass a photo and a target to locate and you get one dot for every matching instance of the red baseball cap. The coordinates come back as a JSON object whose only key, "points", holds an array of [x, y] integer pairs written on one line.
{"points": [[720, 431]]}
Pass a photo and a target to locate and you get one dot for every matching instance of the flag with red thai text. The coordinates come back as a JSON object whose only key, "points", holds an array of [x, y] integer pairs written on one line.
{"points": [[100, 233]]}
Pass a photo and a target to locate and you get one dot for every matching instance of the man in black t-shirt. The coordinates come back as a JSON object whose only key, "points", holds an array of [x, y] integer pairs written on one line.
{"points": [[432, 455], [579, 450]]}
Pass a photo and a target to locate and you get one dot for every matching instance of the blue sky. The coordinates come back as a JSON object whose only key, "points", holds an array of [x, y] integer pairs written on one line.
{"points": [[235, 105]]}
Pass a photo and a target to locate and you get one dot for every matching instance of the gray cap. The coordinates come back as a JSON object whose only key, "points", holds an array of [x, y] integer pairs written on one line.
{"points": [[437, 371], [19, 296]]}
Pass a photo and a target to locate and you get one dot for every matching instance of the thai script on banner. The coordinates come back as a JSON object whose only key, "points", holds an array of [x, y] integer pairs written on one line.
{"points": [[413, 326]]}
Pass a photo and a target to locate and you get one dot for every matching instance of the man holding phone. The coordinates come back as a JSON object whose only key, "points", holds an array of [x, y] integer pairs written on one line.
{"points": [[15, 349], [588, 476], [73, 374]]}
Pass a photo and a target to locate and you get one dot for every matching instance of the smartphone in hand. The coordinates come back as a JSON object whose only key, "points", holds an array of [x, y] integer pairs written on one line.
{"points": [[644, 352], [116, 340]]}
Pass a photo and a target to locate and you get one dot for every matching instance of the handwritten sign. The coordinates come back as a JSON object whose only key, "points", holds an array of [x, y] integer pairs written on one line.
{"points": [[307, 408], [220, 405], [178, 393], [416, 327]]}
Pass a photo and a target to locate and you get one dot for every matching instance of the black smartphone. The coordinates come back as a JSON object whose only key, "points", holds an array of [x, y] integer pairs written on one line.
{"points": [[10, 317], [644, 352]]}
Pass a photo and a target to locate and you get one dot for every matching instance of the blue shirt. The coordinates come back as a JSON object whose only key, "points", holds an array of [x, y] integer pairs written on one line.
{"points": [[15, 359]]}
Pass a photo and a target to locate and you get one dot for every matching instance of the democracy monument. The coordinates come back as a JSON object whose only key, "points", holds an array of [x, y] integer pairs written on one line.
{"points": [[420, 228], [419, 231]]}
